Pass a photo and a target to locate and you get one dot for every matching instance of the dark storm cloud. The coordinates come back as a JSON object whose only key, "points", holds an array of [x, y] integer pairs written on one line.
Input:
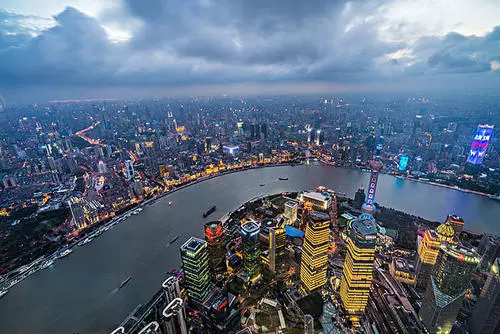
{"points": [[73, 51], [226, 41], [456, 53]]}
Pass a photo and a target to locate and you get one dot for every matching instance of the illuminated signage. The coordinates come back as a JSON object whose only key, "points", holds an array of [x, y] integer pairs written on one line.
{"points": [[480, 144], [403, 163]]}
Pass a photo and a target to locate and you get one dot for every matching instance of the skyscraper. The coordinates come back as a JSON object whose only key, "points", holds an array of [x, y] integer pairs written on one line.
{"points": [[214, 236], [480, 144], [101, 167], [358, 266], [447, 286], [457, 223], [151, 328], [489, 250], [251, 248], [428, 250], [291, 211], [486, 315], [129, 169], [150, 159], [368, 207], [313, 264], [171, 288], [277, 240], [174, 316], [359, 197], [308, 324], [194, 256]]}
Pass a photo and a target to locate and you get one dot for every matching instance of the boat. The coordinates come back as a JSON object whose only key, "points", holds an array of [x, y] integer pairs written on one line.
{"points": [[48, 264], [283, 178], [170, 203], [261, 185], [3, 292], [84, 242], [174, 239], [125, 282], [497, 197], [65, 253], [209, 211]]}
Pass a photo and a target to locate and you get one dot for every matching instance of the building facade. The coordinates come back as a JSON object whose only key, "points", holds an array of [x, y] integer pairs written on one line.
{"points": [[214, 236], [194, 256], [251, 248], [358, 266], [313, 265], [485, 318], [447, 286], [428, 250]]}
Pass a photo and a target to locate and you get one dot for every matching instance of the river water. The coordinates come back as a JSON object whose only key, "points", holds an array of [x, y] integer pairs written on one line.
{"points": [[79, 293]]}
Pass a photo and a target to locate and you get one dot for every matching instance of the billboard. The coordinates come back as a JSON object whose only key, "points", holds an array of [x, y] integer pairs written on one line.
{"points": [[480, 144], [403, 162]]}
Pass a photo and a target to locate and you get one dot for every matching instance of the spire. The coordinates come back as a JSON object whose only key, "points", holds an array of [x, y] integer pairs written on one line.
{"points": [[368, 208]]}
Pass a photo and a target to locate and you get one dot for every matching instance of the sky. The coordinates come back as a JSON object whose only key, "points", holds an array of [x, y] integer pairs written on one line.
{"points": [[119, 48]]}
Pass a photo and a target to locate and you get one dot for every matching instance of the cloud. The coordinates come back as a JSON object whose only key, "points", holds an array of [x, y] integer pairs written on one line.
{"points": [[175, 42]]}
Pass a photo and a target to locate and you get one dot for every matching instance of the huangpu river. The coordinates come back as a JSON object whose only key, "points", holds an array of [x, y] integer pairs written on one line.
{"points": [[80, 294]]}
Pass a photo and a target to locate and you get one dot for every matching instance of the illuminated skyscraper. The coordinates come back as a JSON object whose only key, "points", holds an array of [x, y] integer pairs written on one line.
{"points": [[486, 315], [194, 256], [313, 264], [291, 211], [368, 207], [446, 233], [446, 289], [318, 135], [214, 236], [251, 248], [129, 169], [428, 250], [457, 223], [277, 241], [358, 266], [480, 144], [403, 162]]}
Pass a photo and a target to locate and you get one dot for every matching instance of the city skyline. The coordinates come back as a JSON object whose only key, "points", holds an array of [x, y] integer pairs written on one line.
{"points": [[253, 166]]}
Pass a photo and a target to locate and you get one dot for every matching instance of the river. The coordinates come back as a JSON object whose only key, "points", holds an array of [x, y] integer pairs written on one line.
{"points": [[79, 293]]}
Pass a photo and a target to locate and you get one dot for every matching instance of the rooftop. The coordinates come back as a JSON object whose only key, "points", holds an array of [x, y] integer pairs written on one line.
{"points": [[319, 216], [364, 226], [250, 226], [192, 245]]}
